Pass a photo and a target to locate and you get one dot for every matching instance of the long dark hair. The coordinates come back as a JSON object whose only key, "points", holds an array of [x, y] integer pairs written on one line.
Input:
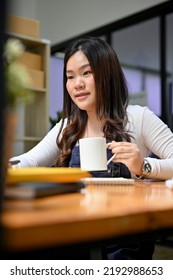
{"points": [[111, 97]]}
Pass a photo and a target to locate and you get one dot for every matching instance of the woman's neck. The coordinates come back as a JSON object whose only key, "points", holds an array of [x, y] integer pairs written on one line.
{"points": [[94, 127]]}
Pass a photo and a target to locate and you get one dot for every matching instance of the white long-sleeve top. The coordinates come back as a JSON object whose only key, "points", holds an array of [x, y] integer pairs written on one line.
{"points": [[148, 131]]}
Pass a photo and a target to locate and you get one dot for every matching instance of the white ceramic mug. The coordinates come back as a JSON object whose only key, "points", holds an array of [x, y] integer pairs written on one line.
{"points": [[93, 154]]}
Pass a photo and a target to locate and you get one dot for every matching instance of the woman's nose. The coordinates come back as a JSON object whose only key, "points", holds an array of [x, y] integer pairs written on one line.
{"points": [[79, 83]]}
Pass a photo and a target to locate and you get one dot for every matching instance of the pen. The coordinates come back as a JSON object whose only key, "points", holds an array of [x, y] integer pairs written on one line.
{"points": [[13, 162]]}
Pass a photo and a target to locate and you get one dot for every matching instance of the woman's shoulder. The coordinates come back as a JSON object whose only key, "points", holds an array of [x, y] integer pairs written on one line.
{"points": [[138, 110], [133, 109], [137, 114]]}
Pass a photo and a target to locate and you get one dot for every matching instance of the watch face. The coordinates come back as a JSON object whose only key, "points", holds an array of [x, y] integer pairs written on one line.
{"points": [[147, 167]]}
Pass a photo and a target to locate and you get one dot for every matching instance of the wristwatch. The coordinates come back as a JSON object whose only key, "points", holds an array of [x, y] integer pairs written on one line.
{"points": [[146, 169]]}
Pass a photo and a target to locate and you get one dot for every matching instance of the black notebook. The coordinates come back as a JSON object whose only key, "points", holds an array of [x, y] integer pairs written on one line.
{"points": [[40, 189]]}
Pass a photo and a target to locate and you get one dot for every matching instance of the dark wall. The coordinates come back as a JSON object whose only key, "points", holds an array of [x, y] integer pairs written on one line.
{"points": [[3, 7]]}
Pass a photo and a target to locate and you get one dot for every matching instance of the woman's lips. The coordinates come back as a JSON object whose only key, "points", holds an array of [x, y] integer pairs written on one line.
{"points": [[81, 94]]}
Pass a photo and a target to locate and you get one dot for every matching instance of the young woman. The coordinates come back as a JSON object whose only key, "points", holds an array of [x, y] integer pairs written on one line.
{"points": [[96, 104]]}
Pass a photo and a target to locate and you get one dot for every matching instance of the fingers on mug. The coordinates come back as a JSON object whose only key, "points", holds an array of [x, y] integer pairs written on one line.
{"points": [[114, 155]]}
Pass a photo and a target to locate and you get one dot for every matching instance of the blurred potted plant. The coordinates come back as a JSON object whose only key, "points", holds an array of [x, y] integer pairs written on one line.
{"points": [[17, 91], [17, 78]]}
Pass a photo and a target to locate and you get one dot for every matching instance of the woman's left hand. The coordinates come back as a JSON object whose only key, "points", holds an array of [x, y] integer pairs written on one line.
{"points": [[129, 154]]}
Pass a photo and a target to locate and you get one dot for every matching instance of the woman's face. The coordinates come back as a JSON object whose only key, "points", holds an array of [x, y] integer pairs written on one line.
{"points": [[80, 82]]}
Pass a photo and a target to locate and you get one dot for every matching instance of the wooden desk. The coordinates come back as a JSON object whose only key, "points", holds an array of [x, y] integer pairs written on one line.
{"points": [[98, 214]]}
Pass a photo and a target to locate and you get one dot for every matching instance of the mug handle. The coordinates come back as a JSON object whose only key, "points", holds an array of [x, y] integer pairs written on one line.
{"points": [[107, 145]]}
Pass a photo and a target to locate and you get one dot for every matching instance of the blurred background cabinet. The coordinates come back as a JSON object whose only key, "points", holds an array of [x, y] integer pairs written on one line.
{"points": [[33, 119]]}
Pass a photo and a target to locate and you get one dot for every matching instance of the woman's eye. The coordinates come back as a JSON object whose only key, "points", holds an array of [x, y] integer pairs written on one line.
{"points": [[86, 73], [69, 77]]}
